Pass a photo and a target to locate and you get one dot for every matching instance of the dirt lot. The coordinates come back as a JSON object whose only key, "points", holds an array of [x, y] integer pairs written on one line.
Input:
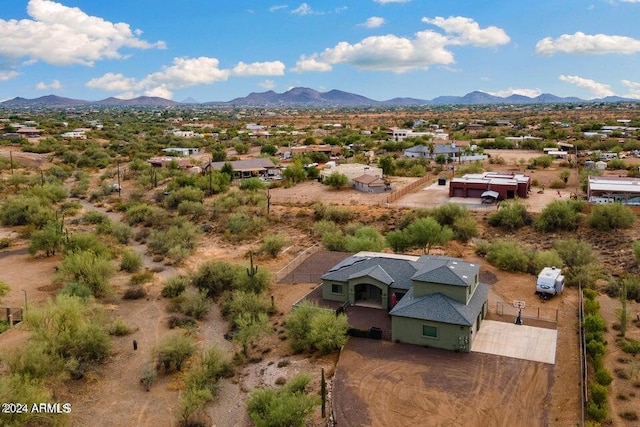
{"points": [[384, 384]]}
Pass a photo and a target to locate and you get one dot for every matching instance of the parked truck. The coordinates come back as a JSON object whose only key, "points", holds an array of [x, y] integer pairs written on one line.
{"points": [[550, 282]]}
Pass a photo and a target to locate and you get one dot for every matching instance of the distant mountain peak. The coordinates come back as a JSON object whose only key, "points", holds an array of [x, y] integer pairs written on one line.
{"points": [[307, 98]]}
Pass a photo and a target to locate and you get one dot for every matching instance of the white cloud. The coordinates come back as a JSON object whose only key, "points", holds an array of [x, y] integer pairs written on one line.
{"points": [[531, 93], [8, 75], [303, 10], [274, 68], [466, 31], [633, 87], [277, 7], [401, 54], [580, 43], [267, 84], [630, 1], [391, 1], [62, 35], [311, 63], [182, 73], [373, 22], [598, 90], [46, 86]]}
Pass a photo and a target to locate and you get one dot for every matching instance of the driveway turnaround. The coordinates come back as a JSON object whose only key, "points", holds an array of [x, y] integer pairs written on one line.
{"points": [[517, 341]]}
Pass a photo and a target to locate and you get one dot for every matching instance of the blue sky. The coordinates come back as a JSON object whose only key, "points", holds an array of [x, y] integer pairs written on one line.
{"points": [[216, 50]]}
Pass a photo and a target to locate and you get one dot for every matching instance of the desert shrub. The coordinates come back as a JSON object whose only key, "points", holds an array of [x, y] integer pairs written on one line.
{"points": [[131, 261], [398, 241], [328, 332], [557, 215], [144, 214], [465, 228], [574, 252], [192, 209], [121, 232], [541, 161], [365, 238], [49, 239], [53, 193], [603, 377], [541, 259], [336, 180], [331, 213], [252, 184], [214, 277], [591, 306], [510, 216], [447, 214], [616, 164], [78, 290], [629, 415], [290, 405], [135, 292], [179, 195], [209, 367], [25, 210], [196, 305], [324, 226], [173, 351], [180, 321], [119, 328], [611, 217], [629, 345], [557, 184], [86, 242], [249, 328], [334, 241], [508, 256], [5, 242], [28, 390], [242, 225], [95, 217], [597, 412], [585, 275], [273, 244], [239, 302], [71, 329], [141, 278], [256, 283], [176, 242], [88, 269], [310, 327], [174, 286], [427, 232], [636, 250]]}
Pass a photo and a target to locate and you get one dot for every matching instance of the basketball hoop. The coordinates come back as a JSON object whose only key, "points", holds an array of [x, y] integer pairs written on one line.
{"points": [[519, 304]]}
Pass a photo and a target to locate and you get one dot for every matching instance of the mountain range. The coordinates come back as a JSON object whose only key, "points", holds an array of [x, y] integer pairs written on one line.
{"points": [[300, 97]]}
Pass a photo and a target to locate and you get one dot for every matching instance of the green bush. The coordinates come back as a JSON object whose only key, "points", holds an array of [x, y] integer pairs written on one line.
{"points": [[510, 215], [144, 214], [119, 328], [88, 269], [465, 228], [629, 345], [173, 351], [289, 405], [365, 238], [95, 217], [574, 252], [25, 210], [597, 412], [557, 216], [242, 225], [214, 277], [273, 244], [332, 213], [194, 210], [78, 290], [135, 292], [86, 242], [427, 232], [542, 259], [196, 305], [176, 242], [310, 327], [256, 283], [603, 377], [398, 241], [238, 302], [131, 261], [30, 391], [252, 184], [449, 213], [174, 286], [595, 348], [611, 217], [183, 194], [636, 250], [508, 256], [121, 232]]}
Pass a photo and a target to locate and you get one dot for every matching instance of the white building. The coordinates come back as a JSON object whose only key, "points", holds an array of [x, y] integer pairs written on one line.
{"points": [[399, 134]]}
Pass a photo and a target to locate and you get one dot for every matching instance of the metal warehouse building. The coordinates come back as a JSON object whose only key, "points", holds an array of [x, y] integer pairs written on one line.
{"points": [[606, 189], [507, 185]]}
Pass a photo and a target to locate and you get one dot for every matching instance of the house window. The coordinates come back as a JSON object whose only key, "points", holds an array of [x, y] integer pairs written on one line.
{"points": [[336, 289], [429, 331]]}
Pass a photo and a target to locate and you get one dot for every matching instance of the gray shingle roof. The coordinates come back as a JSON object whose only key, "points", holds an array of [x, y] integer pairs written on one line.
{"points": [[440, 308], [375, 272], [398, 270], [448, 271], [258, 163]]}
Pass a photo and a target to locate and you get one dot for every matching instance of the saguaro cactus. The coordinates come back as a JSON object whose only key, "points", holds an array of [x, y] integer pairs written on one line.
{"points": [[252, 270]]}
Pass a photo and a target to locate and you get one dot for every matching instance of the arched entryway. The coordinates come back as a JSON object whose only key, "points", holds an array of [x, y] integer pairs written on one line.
{"points": [[368, 295]]}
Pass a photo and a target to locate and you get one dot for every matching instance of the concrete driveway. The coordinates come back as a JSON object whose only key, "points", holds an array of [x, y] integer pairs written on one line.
{"points": [[517, 341]]}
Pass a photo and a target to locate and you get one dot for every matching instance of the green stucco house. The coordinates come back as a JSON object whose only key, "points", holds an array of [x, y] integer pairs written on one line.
{"points": [[433, 301]]}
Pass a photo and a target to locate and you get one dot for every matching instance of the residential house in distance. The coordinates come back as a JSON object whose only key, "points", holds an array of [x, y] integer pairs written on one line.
{"points": [[181, 151], [434, 301], [260, 167], [352, 171], [371, 184], [608, 189], [450, 151], [399, 134]]}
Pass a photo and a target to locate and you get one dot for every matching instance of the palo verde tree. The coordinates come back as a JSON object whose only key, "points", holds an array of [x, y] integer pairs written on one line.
{"points": [[427, 232]]}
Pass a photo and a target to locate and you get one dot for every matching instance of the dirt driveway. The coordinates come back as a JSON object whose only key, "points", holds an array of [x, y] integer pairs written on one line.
{"points": [[378, 383]]}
